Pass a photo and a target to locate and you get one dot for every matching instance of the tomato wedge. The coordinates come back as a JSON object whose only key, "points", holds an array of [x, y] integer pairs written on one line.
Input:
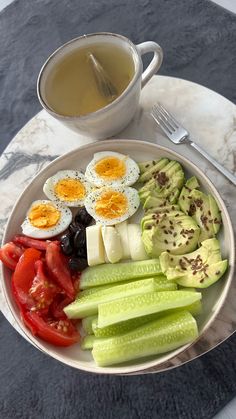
{"points": [[59, 333], [57, 266], [30, 242], [43, 290], [10, 254], [23, 276], [56, 308]]}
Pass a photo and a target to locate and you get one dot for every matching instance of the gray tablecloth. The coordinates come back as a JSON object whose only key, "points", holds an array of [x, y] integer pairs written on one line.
{"points": [[199, 42]]}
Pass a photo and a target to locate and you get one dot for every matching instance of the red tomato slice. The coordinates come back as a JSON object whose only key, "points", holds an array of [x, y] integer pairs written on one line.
{"points": [[43, 290], [23, 276], [57, 306], [30, 242], [59, 333], [10, 254], [57, 266]]}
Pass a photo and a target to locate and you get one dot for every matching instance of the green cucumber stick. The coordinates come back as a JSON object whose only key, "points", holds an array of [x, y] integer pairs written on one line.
{"points": [[118, 272], [129, 325], [154, 338], [87, 324], [162, 284], [140, 305], [87, 305], [87, 342]]}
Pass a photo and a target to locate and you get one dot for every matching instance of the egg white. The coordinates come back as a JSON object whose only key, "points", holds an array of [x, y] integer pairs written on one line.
{"points": [[132, 198], [38, 233], [49, 186], [130, 177]]}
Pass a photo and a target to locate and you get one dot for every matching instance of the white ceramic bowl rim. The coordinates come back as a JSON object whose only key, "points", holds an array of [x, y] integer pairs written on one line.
{"points": [[154, 362], [89, 116]]}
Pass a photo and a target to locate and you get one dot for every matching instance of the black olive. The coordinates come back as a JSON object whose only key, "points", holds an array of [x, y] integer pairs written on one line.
{"points": [[80, 239], [83, 217], [66, 244], [76, 264], [81, 252], [74, 227]]}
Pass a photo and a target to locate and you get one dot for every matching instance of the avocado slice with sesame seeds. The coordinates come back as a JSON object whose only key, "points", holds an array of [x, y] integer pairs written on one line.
{"points": [[203, 208], [152, 216], [172, 231], [198, 269], [152, 169], [164, 208], [153, 200], [183, 200], [146, 165], [162, 183]]}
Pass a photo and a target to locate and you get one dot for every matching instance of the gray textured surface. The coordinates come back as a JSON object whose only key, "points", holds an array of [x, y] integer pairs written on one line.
{"points": [[199, 44], [198, 39]]}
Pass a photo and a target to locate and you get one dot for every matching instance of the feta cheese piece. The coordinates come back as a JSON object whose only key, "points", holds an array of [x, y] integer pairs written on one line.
{"points": [[122, 229], [112, 244], [95, 248], [136, 246]]}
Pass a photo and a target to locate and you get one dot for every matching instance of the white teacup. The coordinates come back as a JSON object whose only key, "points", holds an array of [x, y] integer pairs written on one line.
{"points": [[112, 118]]}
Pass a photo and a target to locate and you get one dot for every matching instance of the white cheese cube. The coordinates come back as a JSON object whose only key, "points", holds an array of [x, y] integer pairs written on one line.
{"points": [[95, 248], [122, 229], [136, 245], [112, 244]]}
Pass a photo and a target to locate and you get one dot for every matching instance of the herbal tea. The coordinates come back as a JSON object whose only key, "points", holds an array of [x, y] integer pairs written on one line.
{"points": [[71, 87]]}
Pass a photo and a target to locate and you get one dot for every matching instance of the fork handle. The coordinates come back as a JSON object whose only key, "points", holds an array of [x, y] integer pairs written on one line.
{"points": [[215, 163]]}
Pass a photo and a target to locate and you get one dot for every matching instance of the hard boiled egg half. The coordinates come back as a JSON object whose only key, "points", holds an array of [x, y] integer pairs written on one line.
{"points": [[112, 205], [68, 187], [46, 219], [109, 168]]}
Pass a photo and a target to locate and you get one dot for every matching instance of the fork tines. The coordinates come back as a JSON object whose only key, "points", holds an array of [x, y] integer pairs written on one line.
{"points": [[166, 121]]}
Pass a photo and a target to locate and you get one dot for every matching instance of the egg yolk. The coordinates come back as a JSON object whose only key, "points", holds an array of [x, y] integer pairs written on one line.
{"points": [[111, 204], [70, 189], [44, 216], [110, 168]]}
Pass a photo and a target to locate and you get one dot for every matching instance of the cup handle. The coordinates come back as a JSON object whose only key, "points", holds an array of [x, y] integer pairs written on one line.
{"points": [[156, 62]]}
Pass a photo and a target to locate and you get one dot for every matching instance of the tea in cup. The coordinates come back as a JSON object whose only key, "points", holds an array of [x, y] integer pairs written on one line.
{"points": [[92, 84]]}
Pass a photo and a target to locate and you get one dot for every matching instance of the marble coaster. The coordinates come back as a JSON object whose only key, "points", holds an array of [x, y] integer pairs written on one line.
{"points": [[209, 117]]}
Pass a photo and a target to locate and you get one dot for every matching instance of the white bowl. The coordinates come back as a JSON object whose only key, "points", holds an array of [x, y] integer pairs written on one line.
{"points": [[213, 297]]}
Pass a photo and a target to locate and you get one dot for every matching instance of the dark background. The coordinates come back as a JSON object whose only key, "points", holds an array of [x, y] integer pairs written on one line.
{"points": [[199, 42]]}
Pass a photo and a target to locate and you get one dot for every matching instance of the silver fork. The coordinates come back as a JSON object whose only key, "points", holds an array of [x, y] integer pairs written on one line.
{"points": [[179, 135]]}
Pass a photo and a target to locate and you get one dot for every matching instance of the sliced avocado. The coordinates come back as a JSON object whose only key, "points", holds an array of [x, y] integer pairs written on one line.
{"points": [[143, 196], [153, 170], [149, 186], [175, 232], [153, 201], [144, 166], [163, 209], [163, 182], [171, 177], [203, 208], [198, 269], [183, 201], [215, 212], [152, 217], [205, 211]]}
